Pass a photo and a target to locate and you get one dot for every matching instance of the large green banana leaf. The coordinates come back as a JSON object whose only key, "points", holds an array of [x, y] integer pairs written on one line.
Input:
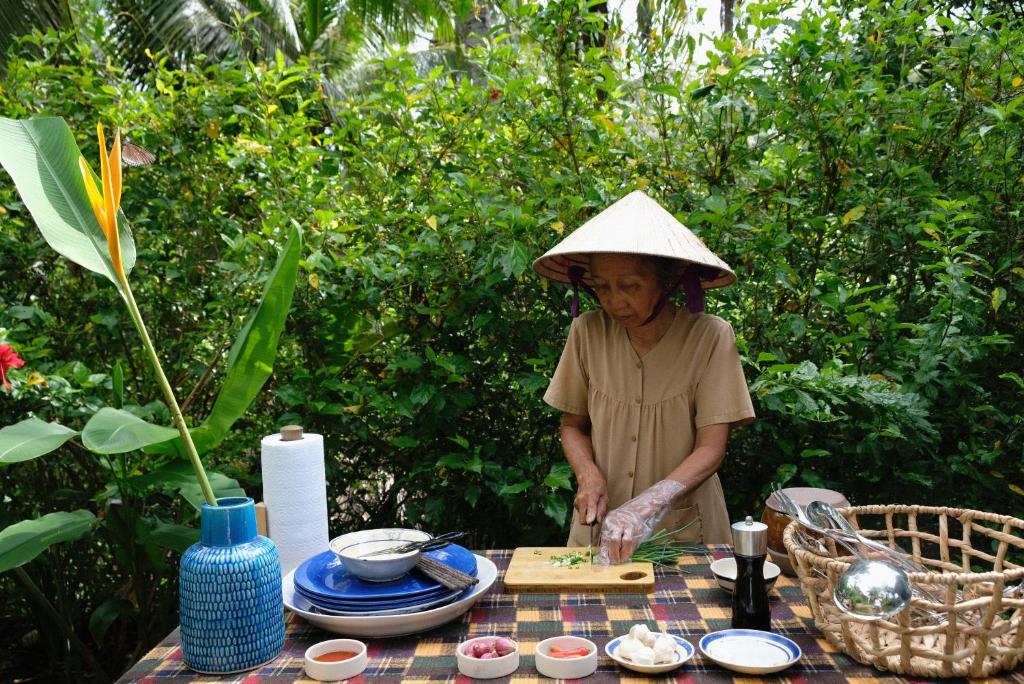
{"points": [[251, 360], [252, 357], [115, 431], [23, 541], [31, 438], [42, 157]]}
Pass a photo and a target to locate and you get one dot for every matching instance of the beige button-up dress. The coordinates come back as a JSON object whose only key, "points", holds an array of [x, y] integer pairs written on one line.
{"points": [[645, 411]]}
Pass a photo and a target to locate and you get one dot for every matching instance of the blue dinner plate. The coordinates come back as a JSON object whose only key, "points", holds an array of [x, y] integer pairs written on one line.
{"points": [[431, 601], [369, 605], [355, 604], [326, 580], [324, 575]]}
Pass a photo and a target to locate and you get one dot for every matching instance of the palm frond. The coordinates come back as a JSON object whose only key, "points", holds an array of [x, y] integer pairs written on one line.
{"points": [[177, 28], [396, 18], [330, 31], [367, 67], [183, 29], [21, 17], [252, 29], [317, 19], [277, 15]]}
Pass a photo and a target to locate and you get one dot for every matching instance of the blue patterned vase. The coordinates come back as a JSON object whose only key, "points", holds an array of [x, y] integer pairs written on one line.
{"points": [[232, 613]]}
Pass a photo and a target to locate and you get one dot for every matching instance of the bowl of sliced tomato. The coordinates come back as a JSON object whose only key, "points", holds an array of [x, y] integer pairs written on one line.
{"points": [[566, 657]]}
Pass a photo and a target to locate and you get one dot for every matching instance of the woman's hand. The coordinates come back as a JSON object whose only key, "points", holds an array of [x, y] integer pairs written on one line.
{"points": [[634, 521], [591, 501], [591, 498]]}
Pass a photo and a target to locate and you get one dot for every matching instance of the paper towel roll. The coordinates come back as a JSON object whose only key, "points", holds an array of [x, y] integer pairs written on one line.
{"points": [[295, 491]]}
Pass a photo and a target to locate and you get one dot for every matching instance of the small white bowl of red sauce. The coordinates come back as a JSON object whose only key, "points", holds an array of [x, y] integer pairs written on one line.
{"points": [[335, 659]]}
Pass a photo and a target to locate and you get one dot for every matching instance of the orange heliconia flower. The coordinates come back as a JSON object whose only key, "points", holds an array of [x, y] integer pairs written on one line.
{"points": [[107, 204]]}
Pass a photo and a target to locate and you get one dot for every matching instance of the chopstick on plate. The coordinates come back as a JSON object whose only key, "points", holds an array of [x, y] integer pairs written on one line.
{"points": [[445, 574]]}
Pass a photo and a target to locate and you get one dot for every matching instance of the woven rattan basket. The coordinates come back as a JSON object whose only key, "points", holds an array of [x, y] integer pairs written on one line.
{"points": [[969, 552]]}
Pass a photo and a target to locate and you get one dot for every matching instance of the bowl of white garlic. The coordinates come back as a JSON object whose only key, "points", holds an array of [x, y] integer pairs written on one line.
{"points": [[649, 652]]}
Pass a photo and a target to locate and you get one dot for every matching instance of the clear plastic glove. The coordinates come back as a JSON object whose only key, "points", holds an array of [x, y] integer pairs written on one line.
{"points": [[634, 521]]}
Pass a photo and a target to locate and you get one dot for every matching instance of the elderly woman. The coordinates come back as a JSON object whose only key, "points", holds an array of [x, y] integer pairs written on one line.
{"points": [[648, 391]]}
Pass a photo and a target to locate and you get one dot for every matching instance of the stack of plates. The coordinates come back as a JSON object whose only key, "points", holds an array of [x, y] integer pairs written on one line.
{"points": [[332, 590], [389, 625]]}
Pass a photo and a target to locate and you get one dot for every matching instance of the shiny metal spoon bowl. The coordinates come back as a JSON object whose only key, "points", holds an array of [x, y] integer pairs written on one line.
{"points": [[872, 590], [869, 589]]}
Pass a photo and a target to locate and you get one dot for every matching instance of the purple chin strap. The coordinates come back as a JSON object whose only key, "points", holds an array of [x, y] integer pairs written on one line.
{"points": [[689, 281], [692, 288]]}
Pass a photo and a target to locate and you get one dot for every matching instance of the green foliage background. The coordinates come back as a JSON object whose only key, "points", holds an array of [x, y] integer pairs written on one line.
{"points": [[860, 169]]}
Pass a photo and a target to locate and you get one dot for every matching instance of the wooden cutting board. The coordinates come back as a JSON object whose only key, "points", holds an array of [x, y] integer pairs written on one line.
{"points": [[531, 571]]}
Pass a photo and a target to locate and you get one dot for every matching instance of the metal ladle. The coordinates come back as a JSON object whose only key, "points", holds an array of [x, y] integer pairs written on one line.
{"points": [[825, 514], [870, 589]]}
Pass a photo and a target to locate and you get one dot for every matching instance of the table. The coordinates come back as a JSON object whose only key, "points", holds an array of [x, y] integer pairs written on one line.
{"points": [[687, 603]]}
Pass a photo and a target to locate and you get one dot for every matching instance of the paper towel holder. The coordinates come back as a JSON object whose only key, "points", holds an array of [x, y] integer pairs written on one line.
{"points": [[291, 433]]}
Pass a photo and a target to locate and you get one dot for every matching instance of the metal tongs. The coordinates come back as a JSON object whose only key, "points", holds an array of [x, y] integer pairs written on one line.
{"points": [[432, 544], [843, 532]]}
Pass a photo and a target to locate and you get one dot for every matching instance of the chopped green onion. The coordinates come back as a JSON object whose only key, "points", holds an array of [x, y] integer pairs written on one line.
{"points": [[573, 559]]}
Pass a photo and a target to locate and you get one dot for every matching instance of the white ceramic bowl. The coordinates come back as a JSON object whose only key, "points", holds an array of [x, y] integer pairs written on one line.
{"points": [[386, 567], [485, 669], [342, 669], [684, 651], [565, 668], [724, 570]]}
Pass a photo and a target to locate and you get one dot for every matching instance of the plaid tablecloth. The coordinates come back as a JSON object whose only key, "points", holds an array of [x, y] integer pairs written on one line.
{"points": [[687, 603]]}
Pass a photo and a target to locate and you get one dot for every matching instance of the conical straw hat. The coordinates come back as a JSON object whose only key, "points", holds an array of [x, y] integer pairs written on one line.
{"points": [[636, 224]]}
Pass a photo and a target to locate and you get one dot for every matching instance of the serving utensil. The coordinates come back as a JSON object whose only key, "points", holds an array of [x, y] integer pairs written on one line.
{"points": [[870, 589], [826, 516], [432, 544]]}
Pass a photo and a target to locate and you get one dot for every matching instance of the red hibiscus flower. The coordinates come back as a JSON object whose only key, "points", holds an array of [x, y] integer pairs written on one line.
{"points": [[8, 359], [494, 94]]}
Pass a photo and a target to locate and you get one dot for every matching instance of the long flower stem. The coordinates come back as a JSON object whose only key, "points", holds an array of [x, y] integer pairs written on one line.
{"points": [[179, 420]]}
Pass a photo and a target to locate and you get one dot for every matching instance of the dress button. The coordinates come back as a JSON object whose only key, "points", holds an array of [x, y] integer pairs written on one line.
{"points": [[631, 473], [633, 438], [639, 364], [639, 399]]}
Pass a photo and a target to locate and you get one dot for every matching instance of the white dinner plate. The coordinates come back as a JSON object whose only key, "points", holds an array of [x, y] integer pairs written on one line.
{"points": [[390, 625], [750, 651]]}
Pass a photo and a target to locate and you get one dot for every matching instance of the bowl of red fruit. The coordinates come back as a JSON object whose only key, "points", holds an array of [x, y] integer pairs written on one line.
{"points": [[487, 657]]}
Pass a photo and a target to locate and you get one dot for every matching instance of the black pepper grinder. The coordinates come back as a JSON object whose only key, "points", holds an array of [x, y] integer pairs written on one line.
{"points": [[750, 608]]}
